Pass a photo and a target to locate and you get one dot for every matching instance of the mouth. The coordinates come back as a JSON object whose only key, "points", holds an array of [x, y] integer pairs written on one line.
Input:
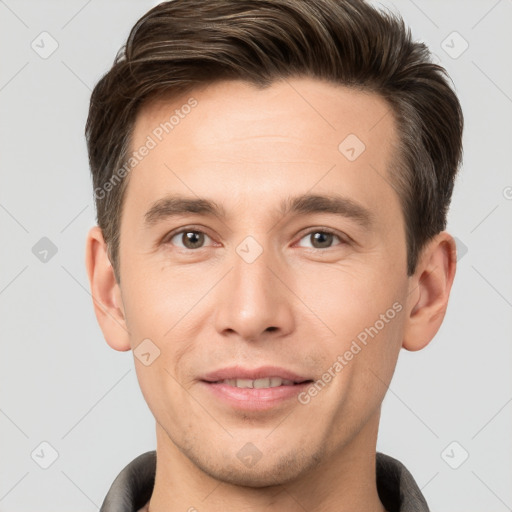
{"points": [[257, 389], [263, 383]]}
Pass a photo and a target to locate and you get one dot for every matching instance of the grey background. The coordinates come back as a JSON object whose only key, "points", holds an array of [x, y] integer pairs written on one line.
{"points": [[61, 383]]}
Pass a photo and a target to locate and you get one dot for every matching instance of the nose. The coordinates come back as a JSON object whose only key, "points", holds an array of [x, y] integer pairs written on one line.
{"points": [[255, 302]]}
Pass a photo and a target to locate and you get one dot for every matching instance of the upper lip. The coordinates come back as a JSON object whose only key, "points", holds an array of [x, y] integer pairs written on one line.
{"points": [[262, 372]]}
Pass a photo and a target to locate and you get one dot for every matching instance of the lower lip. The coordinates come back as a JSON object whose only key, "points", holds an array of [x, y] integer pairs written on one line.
{"points": [[254, 399]]}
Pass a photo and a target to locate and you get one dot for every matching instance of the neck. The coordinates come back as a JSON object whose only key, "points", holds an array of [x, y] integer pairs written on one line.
{"points": [[343, 481]]}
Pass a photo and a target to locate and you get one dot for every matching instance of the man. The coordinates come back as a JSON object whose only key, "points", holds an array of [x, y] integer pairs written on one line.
{"points": [[272, 180]]}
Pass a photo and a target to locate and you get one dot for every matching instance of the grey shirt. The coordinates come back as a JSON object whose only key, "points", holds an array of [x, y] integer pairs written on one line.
{"points": [[132, 488]]}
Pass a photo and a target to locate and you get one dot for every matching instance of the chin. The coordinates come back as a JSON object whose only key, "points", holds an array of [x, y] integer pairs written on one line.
{"points": [[268, 471]]}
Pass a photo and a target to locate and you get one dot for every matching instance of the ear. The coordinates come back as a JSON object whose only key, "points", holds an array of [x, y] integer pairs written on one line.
{"points": [[106, 292], [429, 290]]}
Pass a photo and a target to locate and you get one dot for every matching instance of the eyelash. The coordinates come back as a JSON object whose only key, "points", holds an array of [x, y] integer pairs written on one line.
{"points": [[193, 229]]}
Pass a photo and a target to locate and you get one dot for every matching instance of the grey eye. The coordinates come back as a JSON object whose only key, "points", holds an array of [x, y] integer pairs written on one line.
{"points": [[190, 239], [320, 239]]}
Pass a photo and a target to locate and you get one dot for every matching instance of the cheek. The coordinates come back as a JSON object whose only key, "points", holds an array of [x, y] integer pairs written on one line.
{"points": [[160, 389], [157, 299], [362, 317], [163, 310], [347, 300]]}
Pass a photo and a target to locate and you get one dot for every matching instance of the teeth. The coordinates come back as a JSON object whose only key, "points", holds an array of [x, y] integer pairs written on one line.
{"points": [[268, 382], [244, 383]]}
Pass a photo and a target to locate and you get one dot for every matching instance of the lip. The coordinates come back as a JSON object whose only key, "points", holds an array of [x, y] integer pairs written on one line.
{"points": [[262, 372], [254, 399]]}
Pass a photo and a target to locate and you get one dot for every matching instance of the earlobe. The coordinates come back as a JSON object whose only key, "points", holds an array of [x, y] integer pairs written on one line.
{"points": [[429, 291], [106, 293]]}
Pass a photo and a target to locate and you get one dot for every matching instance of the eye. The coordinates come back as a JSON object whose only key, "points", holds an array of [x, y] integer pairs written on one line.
{"points": [[321, 238], [188, 239]]}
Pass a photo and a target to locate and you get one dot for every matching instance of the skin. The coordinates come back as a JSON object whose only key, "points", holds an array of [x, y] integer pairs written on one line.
{"points": [[207, 309]]}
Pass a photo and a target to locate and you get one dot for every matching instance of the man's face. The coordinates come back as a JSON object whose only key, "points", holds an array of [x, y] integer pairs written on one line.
{"points": [[256, 287]]}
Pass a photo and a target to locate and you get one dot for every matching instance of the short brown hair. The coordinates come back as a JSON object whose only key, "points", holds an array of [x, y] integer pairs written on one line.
{"points": [[181, 44]]}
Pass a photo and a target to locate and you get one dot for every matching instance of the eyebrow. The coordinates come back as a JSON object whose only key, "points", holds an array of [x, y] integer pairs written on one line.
{"points": [[175, 205]]}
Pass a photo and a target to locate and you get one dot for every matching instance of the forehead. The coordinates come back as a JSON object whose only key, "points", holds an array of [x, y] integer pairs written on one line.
{"points": [[248, 146], [309, 111]]}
